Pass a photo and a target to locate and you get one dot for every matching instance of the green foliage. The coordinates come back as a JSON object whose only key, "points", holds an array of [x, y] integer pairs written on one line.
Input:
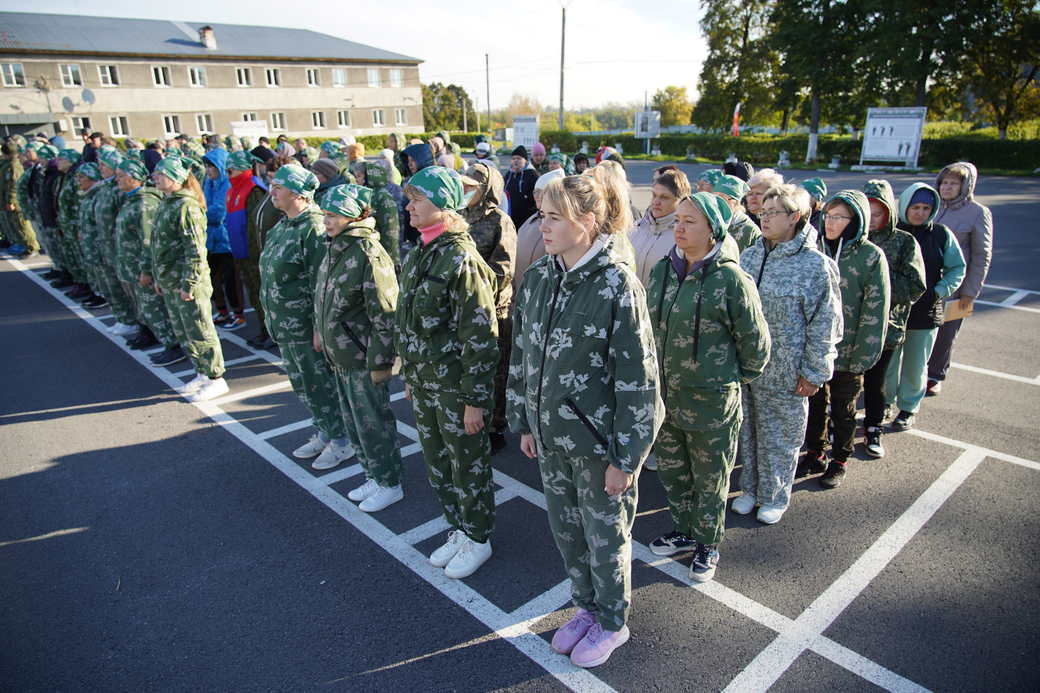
{"points": [[443, 106], [674, 105]]}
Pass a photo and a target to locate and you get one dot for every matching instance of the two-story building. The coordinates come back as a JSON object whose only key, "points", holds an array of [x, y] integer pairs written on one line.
{"points": [[151, 79]]}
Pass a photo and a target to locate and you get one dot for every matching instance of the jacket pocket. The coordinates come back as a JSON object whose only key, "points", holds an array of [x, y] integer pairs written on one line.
{"points": [[586, 422], [432, 307]]}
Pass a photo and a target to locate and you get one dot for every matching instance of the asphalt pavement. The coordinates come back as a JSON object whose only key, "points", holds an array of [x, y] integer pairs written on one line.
{"points": [[150, 544]]}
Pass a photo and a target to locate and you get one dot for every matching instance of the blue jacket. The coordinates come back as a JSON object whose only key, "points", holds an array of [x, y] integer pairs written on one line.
{"points": [[216, 189]]}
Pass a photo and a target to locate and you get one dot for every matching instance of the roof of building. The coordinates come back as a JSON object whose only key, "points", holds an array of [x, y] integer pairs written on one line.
{"points": [[64, 33]]}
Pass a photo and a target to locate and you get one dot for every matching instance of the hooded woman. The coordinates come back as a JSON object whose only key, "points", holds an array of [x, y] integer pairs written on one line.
{"points": [[181, 275], [416, 157], [328, 175], [743, 231], [493, 232], [697, 296], [396, 143], [447, 340], [384, 208], [583, 395], [226, 287], [652, 238], [972, 225], [801, 300], [865, 298], [244, 197], [289, 262], [529, 243], [394, 175]]}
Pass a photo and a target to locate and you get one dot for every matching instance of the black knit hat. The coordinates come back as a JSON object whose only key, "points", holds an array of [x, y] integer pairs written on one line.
{"points": [[521, 151]]}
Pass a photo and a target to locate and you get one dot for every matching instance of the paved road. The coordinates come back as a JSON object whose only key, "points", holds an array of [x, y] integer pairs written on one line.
{"points": [[150, 544]]}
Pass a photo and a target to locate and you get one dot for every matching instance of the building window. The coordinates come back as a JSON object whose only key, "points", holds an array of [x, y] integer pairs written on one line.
{"points": [[377, 118], [244, 76], [80, 123], [318, 120], [343, 119], [13, 74], [339, 77], [204, 122], [313, 79], [395, 78], [250, 116], [108, 75], [274, 77], [373, 76], [197, 76], [399, 117], [171, 125], [70, 76], [161, 76], [277, 121], [119, 126]]}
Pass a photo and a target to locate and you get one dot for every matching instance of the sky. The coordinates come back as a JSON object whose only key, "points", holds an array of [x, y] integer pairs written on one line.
{"points": [[616, 49]]}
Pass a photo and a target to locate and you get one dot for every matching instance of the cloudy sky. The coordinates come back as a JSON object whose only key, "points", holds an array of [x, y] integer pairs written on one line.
{"points": [[616, 49]]}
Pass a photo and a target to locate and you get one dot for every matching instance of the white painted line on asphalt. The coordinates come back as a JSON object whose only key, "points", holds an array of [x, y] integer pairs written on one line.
{"points": [[1001, 305], [227, 364], [1009, 288], [410, 449], [407, 431], [153, 350], [287, 428], [397, 396], [254, 392], [995, 454], [997, 374], [1014, 298], [336, 476], [766, 668], [417, 535], [544, 604], [865, 668]]}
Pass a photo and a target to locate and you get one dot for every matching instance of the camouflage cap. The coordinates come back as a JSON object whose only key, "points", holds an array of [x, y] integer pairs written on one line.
{"points": [[816, 188], [441, 186], [711, 176], [363, 194], [173, 168], [715, 210], [110, 157], [134, 168], [297, 179], [343, 200], [89, 170], [331, 147], [47, 151], [241, 161], [70, 155], [731, 186]]}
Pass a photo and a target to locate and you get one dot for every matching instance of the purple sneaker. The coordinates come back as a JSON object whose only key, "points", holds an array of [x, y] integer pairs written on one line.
{"points": [[597, 645], [571, 632]]}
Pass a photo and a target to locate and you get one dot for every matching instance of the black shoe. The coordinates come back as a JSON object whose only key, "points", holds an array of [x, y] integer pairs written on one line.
{"points": [[872, 442], [498, 442], [220, 319], [904, 421], [705, 559], [95, 302], [267, 343], [672, 543], [61, 283], [144, 340], [52, 274], [169, 356], [813, 463], [4, 244], [833, 476]]}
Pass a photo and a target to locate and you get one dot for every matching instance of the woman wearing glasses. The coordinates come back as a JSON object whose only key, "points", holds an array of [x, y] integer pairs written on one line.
{"points": [[800, 296]]}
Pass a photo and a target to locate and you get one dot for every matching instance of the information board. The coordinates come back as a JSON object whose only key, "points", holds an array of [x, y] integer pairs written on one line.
{"points": [[254, 129], [648, 124], [893, 134], [525, 131]]}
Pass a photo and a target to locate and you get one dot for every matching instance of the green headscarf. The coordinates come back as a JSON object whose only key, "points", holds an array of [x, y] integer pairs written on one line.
{"points": [[441, 186], [47, 152], [241, 161], [110, 157], [134, 168], [361, 193], [731, 186], [711, 176], [375, 175], [343, 200], [70, 155], [716, 211], [173, 168], [816, 187], [297, 179], [89, 170], [331, 148]]}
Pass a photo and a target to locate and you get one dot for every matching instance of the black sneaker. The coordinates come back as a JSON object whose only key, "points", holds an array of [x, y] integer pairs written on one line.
{"points": [[705, 560], [672, 543], [95, 302], [62, 282], [498, 442], [833, 476], [145, 340], [872, 442], [904, 421], [221, 319], [169, 356], [813, 463], [51, 274]]}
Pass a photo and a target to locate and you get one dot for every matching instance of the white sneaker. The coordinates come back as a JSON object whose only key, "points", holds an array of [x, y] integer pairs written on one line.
{"points": [[444, 554], [383, 497], [312, 448], [363, 491], [770, 514], [651, 462], [211, 389], [194, 384], [121, 328], [471, 556], [743, 504], [332, 455]]}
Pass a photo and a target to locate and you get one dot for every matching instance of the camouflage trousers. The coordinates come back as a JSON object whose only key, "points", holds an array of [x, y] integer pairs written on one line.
{"points": [[458, 464], [151, 311], [18, 229], [192, 325], [74, 256], [505, 348], [694, 468], [248, 272], [91, 261], [48, 237], [770, 438], [315, 385], [593, 533], [371, 425], [122, 305]]}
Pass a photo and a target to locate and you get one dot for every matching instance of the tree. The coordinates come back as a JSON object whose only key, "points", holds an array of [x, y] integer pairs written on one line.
{"points": [[674, 105], [443, 107]]}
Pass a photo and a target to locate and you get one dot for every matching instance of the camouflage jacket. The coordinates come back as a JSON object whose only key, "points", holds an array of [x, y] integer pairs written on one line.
{"points": [[493, 232], [446, 327], [384, 208], [10, 172], [289, 265], [355, 297], [68, 207], [711, 336], [864, 291], [801, 300], [22, 193], [905, 263], [583, 376], [134, 233], [744, 231], [106, 209], [179, 243], [86, 225]]}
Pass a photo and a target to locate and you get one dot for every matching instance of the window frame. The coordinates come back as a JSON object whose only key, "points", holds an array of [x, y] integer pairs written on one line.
{"points": [[278, 121], [342, 72], [163, 70], [380, 121], [373, 77], [194, 70], [83, 124], [79, 75], [14, 77], [112, 72], [316, 73], [275, 72], [400, 116], [119, 131], [246, 72], [343, 119], [206, 118], [399, 74], [250, 116], [176, 121], [318, 120]]}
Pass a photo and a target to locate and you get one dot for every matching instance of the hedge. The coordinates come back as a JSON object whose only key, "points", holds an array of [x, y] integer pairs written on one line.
{"points": [[373, 143]]}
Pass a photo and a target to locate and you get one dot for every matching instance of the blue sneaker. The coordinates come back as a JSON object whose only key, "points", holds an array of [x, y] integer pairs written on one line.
{"points": [[16, 249]]}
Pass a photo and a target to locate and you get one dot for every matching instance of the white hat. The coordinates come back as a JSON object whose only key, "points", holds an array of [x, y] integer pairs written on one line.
{"points": [[483, 147], [546, 178]]}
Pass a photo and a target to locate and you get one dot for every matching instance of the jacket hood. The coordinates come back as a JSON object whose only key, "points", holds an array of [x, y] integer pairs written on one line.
{"points": [[401, 142], [218, 159], [908, 194], [421, 154], [857, 202], [365, 228], [492, 185], [603, 259], [717, 212], [967, 185], [881, 190]]}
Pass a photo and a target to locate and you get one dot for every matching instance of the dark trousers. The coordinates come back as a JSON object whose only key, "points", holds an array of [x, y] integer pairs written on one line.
{"points": [[505, 348], [874, 391], [226, 288], [942, 350], [838, 394]]}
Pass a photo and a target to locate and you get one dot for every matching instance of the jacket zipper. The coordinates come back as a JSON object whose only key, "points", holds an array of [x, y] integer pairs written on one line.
{"points": [[585, 420], [545, 348], [353, 337]]}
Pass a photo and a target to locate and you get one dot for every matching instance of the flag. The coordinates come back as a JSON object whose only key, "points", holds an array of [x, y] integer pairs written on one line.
{"points": [[736, 121]]}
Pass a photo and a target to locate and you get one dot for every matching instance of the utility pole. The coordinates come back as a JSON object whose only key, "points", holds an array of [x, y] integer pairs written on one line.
{"points": [[487, 83], [563, 45], [463, 100]]}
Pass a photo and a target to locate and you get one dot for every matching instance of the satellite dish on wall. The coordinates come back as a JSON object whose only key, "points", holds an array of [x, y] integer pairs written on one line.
{"points": [[68, 105], [88, 97]]}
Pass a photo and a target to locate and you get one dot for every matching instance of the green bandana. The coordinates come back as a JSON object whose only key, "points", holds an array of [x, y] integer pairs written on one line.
{"points": [[816, 187], [110, 157], [731, 186], [441, 186], [331, 148], [47, 152], [241, 161], [311, 153], [134, 168], [375, 175], [297, 179], [711, 176], [134, 154], [717, 212], [70, 155], [89, 170], [173, 168], [363, 194], [343, 200]]}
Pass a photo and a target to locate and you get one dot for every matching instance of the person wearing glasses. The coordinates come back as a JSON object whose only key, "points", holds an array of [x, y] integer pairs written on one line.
{"points": [[865, 295], [801, 300]]}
